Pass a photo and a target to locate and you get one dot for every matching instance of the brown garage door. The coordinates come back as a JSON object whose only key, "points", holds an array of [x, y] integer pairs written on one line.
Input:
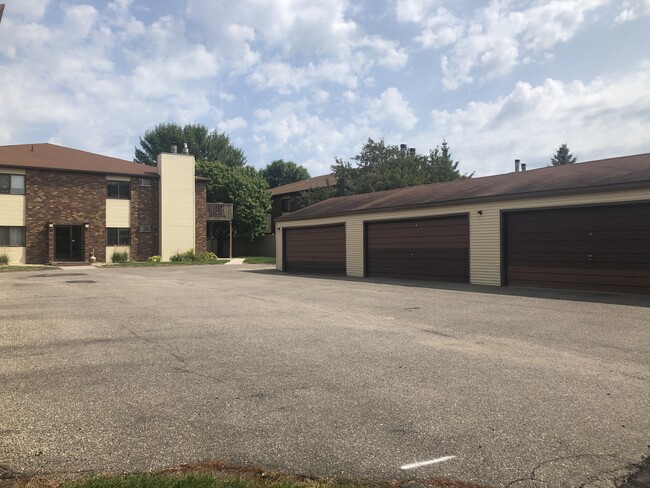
{"points": [[603, 248], [423, 249], [315, 250]]}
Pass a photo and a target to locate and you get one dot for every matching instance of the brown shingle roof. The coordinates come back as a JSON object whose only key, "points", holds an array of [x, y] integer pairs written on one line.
{"points": [[51, 156], [315, 182], [604, 175]]}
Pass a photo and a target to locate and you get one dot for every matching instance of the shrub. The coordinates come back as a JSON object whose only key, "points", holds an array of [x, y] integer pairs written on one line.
{"points": [[183, 256], [4, 260], [154, 259], [120, 257], [206, 256]]}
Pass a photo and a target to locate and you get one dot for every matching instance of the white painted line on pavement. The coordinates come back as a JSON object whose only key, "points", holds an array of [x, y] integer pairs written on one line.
{"points": [[426, 463]]}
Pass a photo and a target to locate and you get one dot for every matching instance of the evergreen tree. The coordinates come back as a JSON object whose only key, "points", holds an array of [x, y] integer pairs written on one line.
{"points": [[563, 156]]}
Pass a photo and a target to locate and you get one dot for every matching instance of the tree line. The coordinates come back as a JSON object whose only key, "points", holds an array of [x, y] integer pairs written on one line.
{"points": [[378, 166]]}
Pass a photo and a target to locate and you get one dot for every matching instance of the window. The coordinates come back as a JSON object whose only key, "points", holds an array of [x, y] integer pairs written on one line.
{"points": [[118, 237], [286, 204], [12, 236], [145, 181], [145, 228], [12, 184], [118, 189]]}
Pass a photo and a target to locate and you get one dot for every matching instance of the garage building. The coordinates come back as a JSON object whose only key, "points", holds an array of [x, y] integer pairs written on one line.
{"points": [[583, 226]]}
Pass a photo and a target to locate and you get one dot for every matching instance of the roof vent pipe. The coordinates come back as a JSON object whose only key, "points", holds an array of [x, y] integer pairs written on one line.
{"points": [[412, 151], [174, 148], [523, 166], [186, 150], [516, 165]]}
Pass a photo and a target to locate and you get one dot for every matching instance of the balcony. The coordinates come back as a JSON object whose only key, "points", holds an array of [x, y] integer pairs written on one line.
{"points": [[219, 212]]}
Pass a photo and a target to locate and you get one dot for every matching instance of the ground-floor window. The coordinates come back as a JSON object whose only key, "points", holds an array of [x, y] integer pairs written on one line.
{"points": [[12, 236], [118, 237]]}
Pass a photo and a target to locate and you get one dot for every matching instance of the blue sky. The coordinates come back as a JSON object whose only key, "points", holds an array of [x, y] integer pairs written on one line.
{"points": [[309, 81]]}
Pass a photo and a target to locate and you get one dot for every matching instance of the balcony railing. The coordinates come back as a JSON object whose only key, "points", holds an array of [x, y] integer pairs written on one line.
{"points": [[219, 211]]}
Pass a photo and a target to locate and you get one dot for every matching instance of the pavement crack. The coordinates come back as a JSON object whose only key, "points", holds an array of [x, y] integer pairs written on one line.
{"points": [[157, 344]]}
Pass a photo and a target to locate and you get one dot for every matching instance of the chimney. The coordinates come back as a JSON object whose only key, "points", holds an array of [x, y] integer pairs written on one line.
{"points": [[523, 166], [412, 151], [402, 148], [174, 149], [186, 150], [516, 165]]}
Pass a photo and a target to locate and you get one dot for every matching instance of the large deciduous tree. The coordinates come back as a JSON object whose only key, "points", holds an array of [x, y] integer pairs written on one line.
{"points": [[246, 189], [281, 172], [385, 167], [563, 156], [204, 145]]}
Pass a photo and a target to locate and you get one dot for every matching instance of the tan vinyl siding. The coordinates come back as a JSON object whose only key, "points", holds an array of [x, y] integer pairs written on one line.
{"points": [[177, 204], [354, 247], [278, 249], [118, 213], [12, 210], [118, 178], [9, 171], [485, 229], [17, 255], [111, 249], [485, 246]]}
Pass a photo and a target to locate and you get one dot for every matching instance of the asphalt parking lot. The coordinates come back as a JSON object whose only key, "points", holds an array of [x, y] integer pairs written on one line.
{"points": [[113, 370]]}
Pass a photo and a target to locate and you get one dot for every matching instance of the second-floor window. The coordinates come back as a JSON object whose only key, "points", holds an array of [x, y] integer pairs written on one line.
{"points": [[118, 189], [12, 184]]}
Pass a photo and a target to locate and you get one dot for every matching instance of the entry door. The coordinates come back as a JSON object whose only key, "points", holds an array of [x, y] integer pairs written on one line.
{"points": [[67, 243]]}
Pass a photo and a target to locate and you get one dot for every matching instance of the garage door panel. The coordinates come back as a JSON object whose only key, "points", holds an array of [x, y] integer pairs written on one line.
{"points": [[603, 248], [420, 275], [615, 259], [405, 242], [612, 235], [583, 225], [336, 248], [433, 249], [586, 246], [315, 250], [433, 259]]}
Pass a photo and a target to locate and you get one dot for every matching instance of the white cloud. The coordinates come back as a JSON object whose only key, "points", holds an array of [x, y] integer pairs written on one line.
{"points": [[496, 38], [632, 10], [28, 10], [391, 106], [232, 125], [598, 119], [413, 10]]}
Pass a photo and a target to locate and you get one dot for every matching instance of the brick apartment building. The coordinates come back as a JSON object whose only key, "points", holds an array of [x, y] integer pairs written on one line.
{"points": [[59, 205]]}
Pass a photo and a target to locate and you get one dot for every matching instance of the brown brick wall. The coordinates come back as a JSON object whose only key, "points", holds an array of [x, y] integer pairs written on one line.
{"points": [[144, 210], [201, 216], [64, 198]]}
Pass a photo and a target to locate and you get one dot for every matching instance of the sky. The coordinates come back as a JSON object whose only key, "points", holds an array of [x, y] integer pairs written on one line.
{"points": [[311, 80]]}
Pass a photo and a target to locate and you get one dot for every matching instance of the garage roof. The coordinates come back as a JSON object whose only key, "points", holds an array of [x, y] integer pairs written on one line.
{"points": [[626, 172], [298, 186], [53, 157]]}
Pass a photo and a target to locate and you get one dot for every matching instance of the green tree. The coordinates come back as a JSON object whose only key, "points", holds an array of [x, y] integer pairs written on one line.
{"points": [[203, 144], [282, 172], [385, 167], [246, 189], [563, 156]]}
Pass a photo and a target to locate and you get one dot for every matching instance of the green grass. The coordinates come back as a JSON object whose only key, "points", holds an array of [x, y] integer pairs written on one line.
{"points": [[139, 264], [259, 260], [25, 268], [204, 481], [152, 481]]}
